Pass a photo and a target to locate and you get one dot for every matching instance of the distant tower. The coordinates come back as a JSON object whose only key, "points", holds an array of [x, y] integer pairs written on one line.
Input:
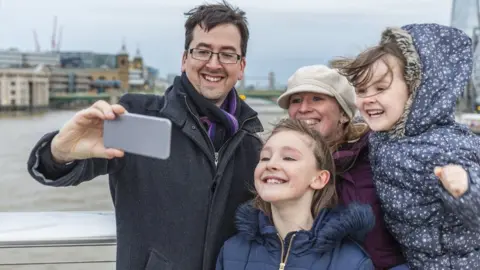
{"points": [[242, 83], [138, 60], [271, 80], [123, 66]]}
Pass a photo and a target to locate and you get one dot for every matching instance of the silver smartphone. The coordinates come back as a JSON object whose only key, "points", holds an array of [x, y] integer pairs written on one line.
{"points": [[139, 134]]}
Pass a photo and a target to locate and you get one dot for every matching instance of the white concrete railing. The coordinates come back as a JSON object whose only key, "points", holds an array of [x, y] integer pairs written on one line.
{"points": [[57, 240]]}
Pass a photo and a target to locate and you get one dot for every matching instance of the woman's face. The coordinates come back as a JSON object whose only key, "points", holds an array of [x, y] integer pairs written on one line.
{"points": [[320, 112]]}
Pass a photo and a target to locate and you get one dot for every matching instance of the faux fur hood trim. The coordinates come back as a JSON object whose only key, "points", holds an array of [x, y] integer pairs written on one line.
{"points": [[412, 71]]}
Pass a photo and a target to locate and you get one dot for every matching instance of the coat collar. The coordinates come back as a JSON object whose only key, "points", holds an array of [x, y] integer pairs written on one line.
{"points": [[175, 107], [329, 228]]}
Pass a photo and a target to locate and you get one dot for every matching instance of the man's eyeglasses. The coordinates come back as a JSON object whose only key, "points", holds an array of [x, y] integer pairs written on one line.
{"points": [[206, 55]]}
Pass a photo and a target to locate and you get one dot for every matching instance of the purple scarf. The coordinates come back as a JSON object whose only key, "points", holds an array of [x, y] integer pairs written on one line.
{"points": [[228, 108], [221, 122]]}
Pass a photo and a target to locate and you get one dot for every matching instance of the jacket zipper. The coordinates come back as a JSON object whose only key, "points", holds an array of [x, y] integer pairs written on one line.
{"points": [[215, 155], [283, 261]]}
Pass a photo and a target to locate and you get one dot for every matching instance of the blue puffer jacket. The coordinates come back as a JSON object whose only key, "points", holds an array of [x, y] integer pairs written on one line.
{"points": [[436, 230], [328, 245]]}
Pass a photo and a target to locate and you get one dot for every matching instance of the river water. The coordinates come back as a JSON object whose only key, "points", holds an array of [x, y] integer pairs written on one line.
{"points": [[19, 192]]}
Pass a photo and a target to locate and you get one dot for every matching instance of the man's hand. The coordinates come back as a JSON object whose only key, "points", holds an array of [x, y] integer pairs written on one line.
{"points": [[82, 136], [454, 179]]}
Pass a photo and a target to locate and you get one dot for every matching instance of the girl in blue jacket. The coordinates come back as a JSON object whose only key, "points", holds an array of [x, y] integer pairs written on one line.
{"points": [[426, 166], [293, 222]]}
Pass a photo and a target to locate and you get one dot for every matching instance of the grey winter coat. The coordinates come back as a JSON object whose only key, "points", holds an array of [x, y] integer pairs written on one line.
{"points": [[436, 230]]}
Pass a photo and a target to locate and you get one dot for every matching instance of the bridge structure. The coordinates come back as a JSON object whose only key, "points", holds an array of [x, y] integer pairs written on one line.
{"points": [[69, 100], [89, 97], [57, 100]]}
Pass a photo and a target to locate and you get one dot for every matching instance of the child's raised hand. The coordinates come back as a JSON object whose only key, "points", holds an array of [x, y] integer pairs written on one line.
{"points": [[454, 179]]}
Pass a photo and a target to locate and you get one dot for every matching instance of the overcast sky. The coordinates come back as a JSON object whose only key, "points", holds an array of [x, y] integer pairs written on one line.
{"points": [[284, 34]]}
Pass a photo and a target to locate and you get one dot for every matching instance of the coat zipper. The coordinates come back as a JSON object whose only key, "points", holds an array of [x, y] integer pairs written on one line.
{"points": [[283, 261], [215, 155]]}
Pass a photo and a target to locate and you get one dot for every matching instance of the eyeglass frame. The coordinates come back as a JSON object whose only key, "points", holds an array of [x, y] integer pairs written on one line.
{"points": [[191, 50]]}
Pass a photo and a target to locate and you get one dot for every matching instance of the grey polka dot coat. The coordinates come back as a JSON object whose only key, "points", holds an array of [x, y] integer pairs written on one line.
{"points": [[435, 230]]}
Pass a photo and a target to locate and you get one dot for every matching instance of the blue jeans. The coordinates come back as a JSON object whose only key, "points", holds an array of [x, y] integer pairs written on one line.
{"points": [[400, 267]]}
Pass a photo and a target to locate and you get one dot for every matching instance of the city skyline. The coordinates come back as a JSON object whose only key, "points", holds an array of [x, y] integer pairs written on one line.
{"points": [[284, 36]]}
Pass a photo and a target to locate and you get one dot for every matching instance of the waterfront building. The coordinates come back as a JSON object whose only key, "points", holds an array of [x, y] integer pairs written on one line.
{"points": [[24, 88], [13, 58]]}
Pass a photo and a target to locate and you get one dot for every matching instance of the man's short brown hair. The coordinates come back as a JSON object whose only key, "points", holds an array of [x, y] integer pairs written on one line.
{"points": [[208, 16]]}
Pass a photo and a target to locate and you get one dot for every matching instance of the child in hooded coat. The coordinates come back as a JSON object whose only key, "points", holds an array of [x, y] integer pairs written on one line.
{"points": [[294, 223], [426, 166]]}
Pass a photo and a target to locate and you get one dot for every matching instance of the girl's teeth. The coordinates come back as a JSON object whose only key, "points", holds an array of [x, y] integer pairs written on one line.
{"points": [[375, 112], [273, 181]]}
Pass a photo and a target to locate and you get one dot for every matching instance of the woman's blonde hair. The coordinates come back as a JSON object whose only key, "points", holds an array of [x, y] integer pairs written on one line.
{"points": [[325, 197], [352, 132]]}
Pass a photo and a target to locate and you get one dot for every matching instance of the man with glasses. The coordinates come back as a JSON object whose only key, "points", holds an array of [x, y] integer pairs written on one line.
{"points": [[174, 213]]}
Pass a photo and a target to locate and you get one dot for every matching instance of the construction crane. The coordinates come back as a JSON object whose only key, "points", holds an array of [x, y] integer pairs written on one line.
{"points": [[55, 41], [54, 33], [59, 41]]}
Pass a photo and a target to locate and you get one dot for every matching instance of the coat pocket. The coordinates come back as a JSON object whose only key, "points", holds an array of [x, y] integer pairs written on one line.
{"points": [[157, 261]]}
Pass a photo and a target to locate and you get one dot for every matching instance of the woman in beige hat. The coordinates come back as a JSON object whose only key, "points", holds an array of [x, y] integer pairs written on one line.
{"points": [[325, 100]]}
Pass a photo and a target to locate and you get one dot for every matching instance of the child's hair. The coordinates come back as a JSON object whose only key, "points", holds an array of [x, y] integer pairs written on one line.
{"points": [[327, 196], [359, 70]]}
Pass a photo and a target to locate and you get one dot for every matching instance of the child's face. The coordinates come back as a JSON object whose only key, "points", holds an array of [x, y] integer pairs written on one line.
{"points": [[287, 169], [383, 100]]}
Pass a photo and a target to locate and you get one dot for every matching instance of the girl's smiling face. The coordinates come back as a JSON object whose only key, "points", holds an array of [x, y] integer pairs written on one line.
{"points": [[382, 101], [287, 169]]}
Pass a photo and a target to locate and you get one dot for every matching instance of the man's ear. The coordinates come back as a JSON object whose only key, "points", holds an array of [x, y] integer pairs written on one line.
{"points": [[243, 64], [184, 60]]}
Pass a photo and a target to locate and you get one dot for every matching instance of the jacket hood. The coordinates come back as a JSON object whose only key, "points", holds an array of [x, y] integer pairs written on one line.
{"points": [[329, 228], [439, 65]]}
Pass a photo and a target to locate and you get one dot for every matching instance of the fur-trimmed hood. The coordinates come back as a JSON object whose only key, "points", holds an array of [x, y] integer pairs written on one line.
{"points": [[439, 63], [403, 169], [329, 228]]}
